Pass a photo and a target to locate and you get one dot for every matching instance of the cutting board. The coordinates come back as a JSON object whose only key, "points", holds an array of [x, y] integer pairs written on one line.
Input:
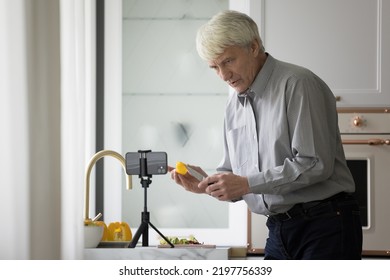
{"points": [[187, 246]]}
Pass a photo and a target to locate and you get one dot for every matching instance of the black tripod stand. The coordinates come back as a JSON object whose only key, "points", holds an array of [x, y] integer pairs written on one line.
{"points": [[145, 215]]}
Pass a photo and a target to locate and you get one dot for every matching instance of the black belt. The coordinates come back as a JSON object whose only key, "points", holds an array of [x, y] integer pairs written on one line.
{"points": [[302, 208]]}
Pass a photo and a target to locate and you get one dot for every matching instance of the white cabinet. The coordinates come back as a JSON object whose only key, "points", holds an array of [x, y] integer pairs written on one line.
{"points": [[346, 43]]}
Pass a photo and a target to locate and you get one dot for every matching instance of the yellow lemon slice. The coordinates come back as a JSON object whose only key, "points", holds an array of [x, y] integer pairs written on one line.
{"points": [[181, 168]]}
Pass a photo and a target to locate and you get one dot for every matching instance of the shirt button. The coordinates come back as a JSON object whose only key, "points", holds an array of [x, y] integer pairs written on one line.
{"points": [[254, 136]]}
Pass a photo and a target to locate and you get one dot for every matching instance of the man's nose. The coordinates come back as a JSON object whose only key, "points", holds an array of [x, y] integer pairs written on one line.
{"points": [[225, 74]]}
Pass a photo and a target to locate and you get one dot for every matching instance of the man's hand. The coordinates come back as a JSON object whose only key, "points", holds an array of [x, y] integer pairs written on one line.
{"points": [[225, 186], [187, 181]]}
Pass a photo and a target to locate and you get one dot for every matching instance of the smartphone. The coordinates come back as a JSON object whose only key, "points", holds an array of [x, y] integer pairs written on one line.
{"points": [[146, 163]]}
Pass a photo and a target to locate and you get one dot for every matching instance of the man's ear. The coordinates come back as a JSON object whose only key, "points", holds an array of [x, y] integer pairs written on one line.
{"points": [[255, 47]]}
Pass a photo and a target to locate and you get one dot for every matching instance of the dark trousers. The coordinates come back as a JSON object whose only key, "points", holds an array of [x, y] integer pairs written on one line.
{"points": [[329, 230]]}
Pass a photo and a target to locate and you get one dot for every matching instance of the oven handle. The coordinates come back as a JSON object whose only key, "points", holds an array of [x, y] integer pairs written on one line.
{"points": [[373, 142]]}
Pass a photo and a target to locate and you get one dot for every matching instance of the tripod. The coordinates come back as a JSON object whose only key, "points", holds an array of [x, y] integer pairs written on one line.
{"points": [[145, 215]]}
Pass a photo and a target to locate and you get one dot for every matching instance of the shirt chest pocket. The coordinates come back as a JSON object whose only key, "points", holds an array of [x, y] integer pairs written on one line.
{"points": [[238, 149]]}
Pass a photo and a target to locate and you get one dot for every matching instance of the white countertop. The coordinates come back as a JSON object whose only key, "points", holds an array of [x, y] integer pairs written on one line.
{"points": [[154, 253]]}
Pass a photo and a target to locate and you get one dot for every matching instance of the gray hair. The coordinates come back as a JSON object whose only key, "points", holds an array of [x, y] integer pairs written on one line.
{"points": [[225, 29]]}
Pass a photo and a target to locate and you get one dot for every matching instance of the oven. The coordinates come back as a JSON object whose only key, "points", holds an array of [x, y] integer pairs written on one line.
{"points": [[365, 135]]}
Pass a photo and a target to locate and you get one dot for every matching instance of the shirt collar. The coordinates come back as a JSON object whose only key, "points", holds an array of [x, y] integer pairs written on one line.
{"points": [[262, 78], [260, 83]]}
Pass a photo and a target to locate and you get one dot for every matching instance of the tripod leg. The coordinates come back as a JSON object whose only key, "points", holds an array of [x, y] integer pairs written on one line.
{"points": [[141, 230], [166, 239]]}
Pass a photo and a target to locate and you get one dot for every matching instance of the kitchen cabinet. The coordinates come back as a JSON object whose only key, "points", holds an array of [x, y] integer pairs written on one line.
{"points": [[346, 43]]}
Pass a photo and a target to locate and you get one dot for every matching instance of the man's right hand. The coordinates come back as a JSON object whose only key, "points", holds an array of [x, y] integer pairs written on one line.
{"points": [[187, 181]]}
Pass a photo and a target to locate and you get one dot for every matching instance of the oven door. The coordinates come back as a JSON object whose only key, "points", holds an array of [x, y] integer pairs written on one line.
{"points": [[368, 159]]}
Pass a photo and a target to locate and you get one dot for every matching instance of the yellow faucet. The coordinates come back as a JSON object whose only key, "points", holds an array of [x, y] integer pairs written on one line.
{"points": [[92, 162]]}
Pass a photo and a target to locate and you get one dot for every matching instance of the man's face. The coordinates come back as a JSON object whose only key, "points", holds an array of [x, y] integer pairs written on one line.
{"points": [[237, 66]]}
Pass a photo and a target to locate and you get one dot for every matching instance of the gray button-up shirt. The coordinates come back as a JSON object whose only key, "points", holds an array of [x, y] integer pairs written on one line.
{"points": [[283, 135]]}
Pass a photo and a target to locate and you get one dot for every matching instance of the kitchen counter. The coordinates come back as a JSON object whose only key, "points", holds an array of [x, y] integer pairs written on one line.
{"points": [[154, 253]]}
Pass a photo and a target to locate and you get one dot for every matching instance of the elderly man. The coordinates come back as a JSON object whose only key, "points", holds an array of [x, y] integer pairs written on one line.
{"points": [[282, 148]]}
